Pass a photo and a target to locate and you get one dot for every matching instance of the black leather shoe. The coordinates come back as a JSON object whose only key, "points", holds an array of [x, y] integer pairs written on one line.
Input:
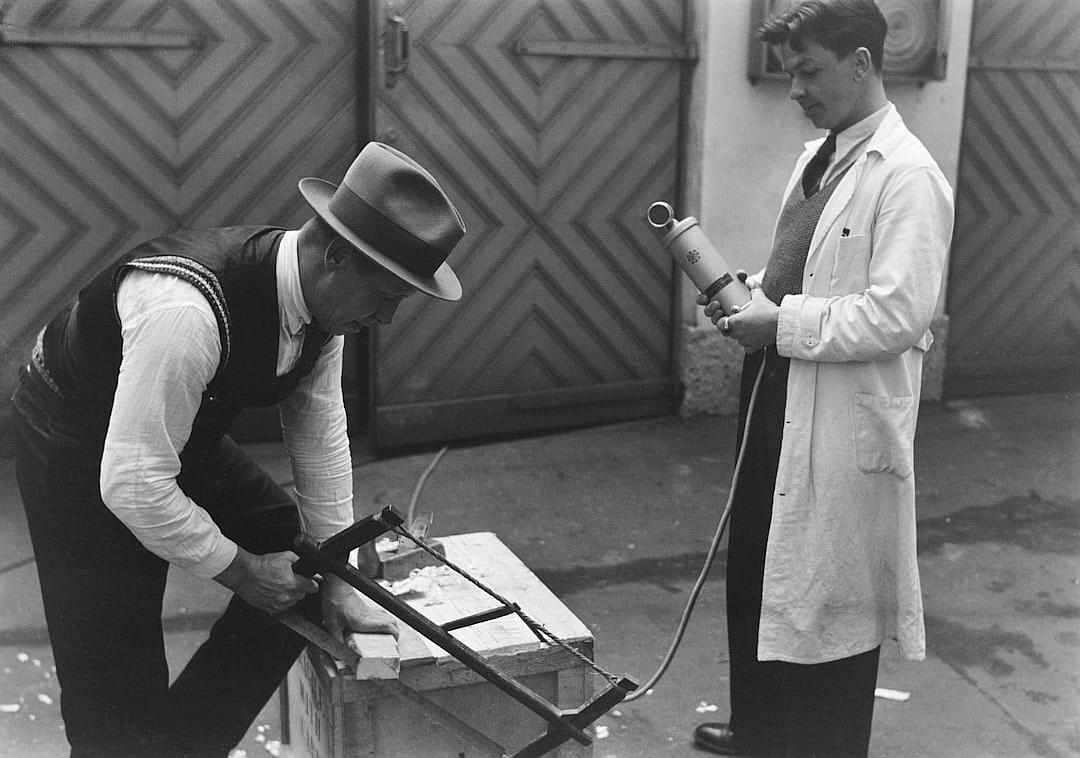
{"points": [[718, 738]]}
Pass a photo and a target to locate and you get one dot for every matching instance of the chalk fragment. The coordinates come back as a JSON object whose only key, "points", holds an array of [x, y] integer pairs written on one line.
{"points": [[886, 694]]}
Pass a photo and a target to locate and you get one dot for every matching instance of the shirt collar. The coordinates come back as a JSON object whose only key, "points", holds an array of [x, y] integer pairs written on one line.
{"points": [[292, 310], [859, 132]]}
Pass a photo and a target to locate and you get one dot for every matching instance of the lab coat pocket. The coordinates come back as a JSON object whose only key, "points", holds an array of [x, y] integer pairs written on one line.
{"points": [[884, 434], [851, 269]]}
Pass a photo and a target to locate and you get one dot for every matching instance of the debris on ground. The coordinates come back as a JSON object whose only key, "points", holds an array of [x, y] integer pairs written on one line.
{"points": [[886, 694]]}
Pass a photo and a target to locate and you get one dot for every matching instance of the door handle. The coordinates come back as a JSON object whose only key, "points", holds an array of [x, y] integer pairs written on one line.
{"points": [[395, 48]]}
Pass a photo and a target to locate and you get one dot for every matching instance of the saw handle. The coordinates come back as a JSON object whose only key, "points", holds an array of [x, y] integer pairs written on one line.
{"points": [[367, 529]]}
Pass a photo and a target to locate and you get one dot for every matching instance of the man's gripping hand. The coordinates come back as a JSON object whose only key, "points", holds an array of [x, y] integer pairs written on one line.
{"points": [[267, 582]]}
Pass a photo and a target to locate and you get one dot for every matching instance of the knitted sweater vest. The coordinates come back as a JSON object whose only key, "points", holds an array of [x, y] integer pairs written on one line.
{"points": [[794, 232]]}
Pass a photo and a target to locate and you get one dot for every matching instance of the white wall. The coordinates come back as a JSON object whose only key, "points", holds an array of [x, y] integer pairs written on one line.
{"points": [[743, 138]]}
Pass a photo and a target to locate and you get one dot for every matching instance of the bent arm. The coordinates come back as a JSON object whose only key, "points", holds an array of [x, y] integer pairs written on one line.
{"points": [[909, 244], [171, 351], [314, 428]]}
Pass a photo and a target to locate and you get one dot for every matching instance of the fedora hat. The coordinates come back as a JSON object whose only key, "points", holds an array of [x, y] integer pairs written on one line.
{"points": [[394, 212]]}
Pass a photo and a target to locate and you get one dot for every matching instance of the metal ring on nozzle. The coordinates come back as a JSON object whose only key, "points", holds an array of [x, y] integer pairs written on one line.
{"points": [[668, 215]]}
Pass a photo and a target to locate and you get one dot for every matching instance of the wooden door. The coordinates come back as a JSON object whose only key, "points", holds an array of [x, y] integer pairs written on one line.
{"points": [[1014, 285], [123, 120], [553, 125]]}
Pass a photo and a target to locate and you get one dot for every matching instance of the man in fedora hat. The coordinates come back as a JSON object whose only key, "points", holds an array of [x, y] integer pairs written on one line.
{"points": [[125, 464]]}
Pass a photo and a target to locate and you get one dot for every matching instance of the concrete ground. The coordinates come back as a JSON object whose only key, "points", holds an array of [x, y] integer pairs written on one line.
{"points": [[617, 520]]}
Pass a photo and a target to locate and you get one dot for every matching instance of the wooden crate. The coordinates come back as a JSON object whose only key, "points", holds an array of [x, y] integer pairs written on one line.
{"points": [[436, 699]]}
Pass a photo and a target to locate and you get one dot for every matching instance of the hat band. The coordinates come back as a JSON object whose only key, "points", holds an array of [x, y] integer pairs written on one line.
{"points": [[386, 236]]}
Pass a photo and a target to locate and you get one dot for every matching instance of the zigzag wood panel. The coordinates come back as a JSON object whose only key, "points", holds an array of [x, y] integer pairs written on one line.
{"points": [[553, 161], [1014, 289], [102, 147]]}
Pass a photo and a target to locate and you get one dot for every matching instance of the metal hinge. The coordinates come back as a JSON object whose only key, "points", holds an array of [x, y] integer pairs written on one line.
{"points": [[11, 34], [633, 50], [1046, 65]]}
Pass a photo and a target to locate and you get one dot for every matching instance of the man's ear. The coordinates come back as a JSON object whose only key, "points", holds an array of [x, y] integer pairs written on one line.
{"points": [[863, 62], [335, 253]]}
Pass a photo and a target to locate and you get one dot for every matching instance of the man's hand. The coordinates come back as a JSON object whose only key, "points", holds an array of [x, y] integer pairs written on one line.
{"points": [[345, 610], [753, 326], [267, 581], [367, 559]]}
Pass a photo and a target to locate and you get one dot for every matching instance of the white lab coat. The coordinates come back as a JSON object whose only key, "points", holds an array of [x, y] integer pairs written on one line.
{"points": [[841, 572]]}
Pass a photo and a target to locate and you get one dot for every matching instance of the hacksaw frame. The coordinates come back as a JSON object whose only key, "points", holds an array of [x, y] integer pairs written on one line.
{"points": [[331, 557]]}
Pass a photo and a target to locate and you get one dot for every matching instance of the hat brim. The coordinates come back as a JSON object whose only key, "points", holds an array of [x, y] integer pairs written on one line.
{"points": [[443, 284]]}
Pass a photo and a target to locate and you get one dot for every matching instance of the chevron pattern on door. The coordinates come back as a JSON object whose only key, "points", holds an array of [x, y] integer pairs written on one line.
{"points": [[103, 147], [553, 159], [1014, 288]]}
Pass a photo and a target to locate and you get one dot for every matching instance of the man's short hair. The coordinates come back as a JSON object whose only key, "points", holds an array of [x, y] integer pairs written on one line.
{"points": [[840, 26]]}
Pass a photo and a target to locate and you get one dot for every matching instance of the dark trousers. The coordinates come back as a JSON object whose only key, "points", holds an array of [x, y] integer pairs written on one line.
{"points": [[798, 711], [103, 590]]}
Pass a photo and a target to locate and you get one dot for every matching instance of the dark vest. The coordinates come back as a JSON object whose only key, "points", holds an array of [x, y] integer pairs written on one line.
{"points": [[794, 233], [783, 276], [234, 268]]}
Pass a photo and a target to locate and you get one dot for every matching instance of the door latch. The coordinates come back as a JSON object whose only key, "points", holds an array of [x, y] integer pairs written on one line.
{"points": [[395, 45]]}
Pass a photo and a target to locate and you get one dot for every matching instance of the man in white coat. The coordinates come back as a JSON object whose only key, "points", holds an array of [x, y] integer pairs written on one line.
{"points": [[822, 561]]}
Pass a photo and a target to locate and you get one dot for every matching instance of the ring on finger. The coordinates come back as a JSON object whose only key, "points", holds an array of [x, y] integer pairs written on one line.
{"points": [[725, 327]]}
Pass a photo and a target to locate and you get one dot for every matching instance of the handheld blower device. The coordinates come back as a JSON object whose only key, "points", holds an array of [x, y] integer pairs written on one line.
{"points": [[691, 249]]}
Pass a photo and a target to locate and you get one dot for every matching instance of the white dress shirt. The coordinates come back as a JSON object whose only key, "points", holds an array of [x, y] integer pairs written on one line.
{"points": [[850, 140], [171, 352]]}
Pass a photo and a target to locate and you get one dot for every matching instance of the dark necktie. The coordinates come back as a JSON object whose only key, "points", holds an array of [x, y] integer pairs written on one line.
{"points": [[815, 169]]}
